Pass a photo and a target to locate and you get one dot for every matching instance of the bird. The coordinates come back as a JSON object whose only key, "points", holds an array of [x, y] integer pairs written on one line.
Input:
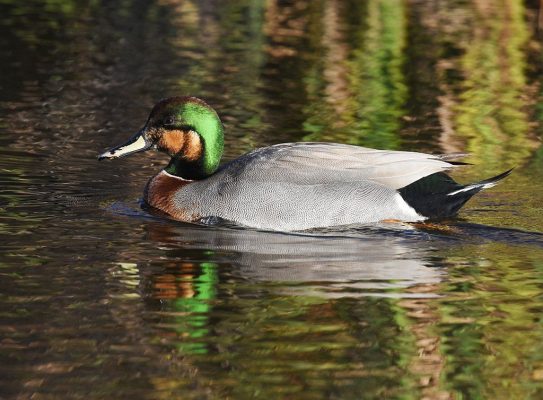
{"points": [[289, 186]]}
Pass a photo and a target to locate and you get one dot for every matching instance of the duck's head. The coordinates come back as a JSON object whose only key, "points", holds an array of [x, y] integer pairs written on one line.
{"points": [[185, 128]]}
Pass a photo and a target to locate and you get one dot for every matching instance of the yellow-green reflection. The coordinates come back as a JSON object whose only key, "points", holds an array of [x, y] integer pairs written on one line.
{"points": [[492, 111]]}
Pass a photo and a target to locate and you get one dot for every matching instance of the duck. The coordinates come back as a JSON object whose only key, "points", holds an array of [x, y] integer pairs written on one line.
{"points": [[289, 186]]}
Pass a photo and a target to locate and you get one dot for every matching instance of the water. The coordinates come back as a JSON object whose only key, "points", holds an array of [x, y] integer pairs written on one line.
{"points": [[100, 299]]}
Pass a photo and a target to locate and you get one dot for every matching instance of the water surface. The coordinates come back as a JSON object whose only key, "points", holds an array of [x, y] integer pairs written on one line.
{"points": [[100, 299]]}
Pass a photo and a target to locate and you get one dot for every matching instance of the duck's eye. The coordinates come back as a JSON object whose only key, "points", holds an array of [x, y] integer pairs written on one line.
{"points": [[168, 121]]}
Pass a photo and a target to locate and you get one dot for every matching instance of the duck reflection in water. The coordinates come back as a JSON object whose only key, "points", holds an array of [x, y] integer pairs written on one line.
{"points": [[195, 286], [326, 265]]}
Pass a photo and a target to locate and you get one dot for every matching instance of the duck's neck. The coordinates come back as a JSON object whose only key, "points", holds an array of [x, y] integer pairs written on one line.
{"points": [[199, 158], [192, 170]]}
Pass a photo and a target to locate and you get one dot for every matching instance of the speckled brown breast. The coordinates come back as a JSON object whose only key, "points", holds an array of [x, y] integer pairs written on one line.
{"points": [[159, 194]]}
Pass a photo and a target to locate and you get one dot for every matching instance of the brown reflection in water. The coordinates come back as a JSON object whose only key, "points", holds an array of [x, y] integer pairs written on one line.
{"points": [[283, 23], [429, 362], [176, 282], [448, 139], [336, 72]]}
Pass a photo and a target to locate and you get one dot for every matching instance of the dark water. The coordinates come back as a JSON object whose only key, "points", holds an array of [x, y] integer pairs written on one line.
{"points": [[101, 300]]}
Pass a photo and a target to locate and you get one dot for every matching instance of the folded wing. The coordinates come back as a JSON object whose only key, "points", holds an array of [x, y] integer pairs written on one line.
{"points": [[320, 163]]}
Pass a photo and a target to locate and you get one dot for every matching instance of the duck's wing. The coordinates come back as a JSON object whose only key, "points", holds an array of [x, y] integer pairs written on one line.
{"points": [[318, 163]]}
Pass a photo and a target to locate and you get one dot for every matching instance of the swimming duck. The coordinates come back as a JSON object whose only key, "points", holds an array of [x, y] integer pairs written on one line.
{"points": [[289, 186]]}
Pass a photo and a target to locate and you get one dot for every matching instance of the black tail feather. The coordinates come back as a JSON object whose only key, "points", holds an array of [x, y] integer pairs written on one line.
{"points": [[438, 196], [495, 179]]}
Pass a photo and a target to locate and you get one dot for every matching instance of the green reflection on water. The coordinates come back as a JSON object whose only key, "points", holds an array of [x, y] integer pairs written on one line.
{"points": [[357, 89], [491, 326], [195, 323], [377, 78]]}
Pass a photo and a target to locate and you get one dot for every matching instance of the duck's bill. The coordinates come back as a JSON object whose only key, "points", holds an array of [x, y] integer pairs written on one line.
{"points": [[135, 144]]}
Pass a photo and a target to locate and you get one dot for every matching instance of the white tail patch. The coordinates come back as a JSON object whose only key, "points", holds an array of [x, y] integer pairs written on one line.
{"points": [[408, 213]]}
